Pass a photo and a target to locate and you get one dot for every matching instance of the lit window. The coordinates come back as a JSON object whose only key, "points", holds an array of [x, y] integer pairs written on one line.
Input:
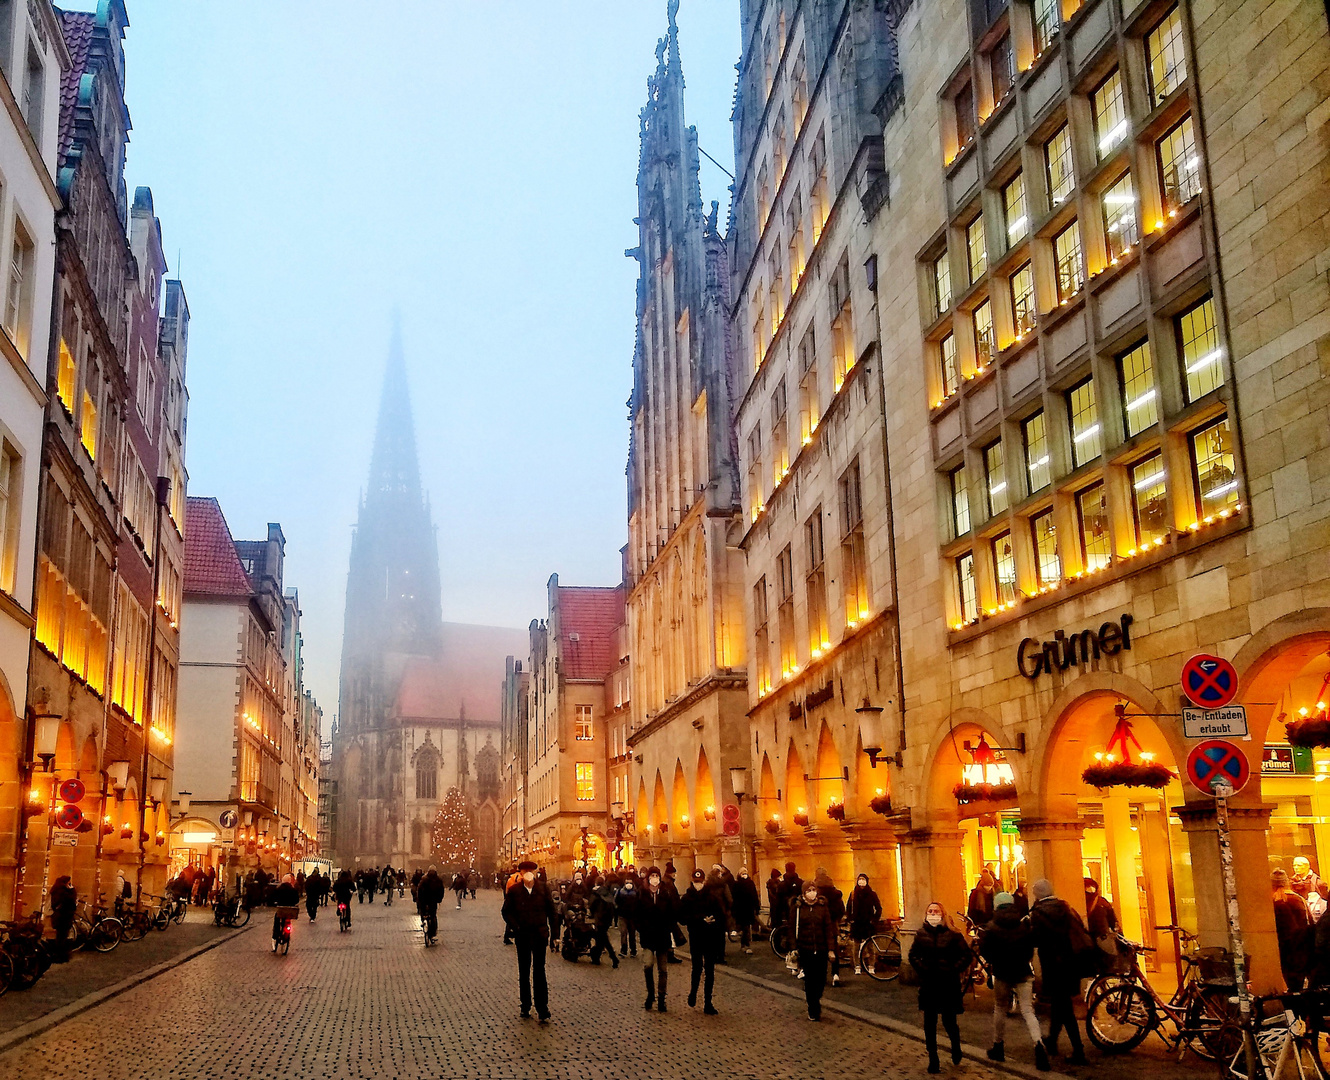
{"points": [[9, 516], [964, 103], [1139, 400], [1002, 65], [975, 251], [983, 334], [586, 785], [582, 723], [960, 500], [996, 478], [1110, 114], [18, 294], [967, 592], [1179, 166], [1048, 567], [1057, 157], [1092, 508], [1045, 23], [1202, 358], [1013, 207], [1149, 500], [65, 375], [942, 282], [762, 636], [947, 354], [1085, 430], [1213, 468], [785, 612], [815, 585], [1120, 226], [1022, 300], [1036, 451], [1067, 255], [1168, 65], [88, 425], [1004, 562]]}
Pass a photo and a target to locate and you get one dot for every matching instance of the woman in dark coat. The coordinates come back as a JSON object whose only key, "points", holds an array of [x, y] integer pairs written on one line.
{"points": [[864, 910], [746, 906], [940, 956], [1293, 929], [64, 902]]}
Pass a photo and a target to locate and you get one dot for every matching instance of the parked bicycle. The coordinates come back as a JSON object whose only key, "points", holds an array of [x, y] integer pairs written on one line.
{"points": [[23, 943], [230, 910], [1121, 1010], [95, 929], [879, 955], [1288, 1037]]}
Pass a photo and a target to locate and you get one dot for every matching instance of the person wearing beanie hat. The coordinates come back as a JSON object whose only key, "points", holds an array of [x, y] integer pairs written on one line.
{"points": [[1008, 946], [814, 933], [791, 886], [654, 917], [864, 910], [1063, 942], [701, 910], [528, 909], [1293, 928]]}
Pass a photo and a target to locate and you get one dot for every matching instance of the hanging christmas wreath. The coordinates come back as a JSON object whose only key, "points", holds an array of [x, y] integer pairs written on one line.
{"points": [[1313, 731], [968, 793], [1107, 771], [880, 804], [836, 811], [801, 818], [772, 825]]}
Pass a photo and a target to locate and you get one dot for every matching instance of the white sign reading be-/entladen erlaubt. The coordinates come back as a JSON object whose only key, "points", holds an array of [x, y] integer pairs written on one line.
{"points": [[1230, 722]]}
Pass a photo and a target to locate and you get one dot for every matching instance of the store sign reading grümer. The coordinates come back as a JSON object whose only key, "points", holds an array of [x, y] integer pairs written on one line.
{"points": [[1036, 658]]}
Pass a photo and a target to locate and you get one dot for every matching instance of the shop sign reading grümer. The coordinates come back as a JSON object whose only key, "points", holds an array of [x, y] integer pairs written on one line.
{"points": [[1036, 658]]}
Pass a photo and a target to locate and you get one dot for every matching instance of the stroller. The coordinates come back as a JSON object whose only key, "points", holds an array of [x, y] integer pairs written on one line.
{"points": [[579, 931]]}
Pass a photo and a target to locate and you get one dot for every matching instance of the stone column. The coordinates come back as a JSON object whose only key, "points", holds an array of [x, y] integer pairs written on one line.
{"points": [[1247, 834], [874, 851], [938, 873], [1053, 851]]}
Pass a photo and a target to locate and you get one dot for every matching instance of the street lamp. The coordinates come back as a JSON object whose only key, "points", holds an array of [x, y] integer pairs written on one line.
{"points": [[739, 785], [182, 801], [45, 737], [118, 773], [157, 790]]}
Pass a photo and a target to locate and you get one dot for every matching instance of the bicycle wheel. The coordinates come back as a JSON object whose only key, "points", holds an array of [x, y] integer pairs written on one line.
{"points": [[161, 918], [780, 941], [1208, 1018], [27, 966], [131, 926], [6, 971], [105, 935], [178, 916], [1118, 1018], [880, 957], [240, 918]]}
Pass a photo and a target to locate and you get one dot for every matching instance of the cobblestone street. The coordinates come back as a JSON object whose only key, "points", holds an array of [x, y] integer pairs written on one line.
{"points": [[374, 1003]]}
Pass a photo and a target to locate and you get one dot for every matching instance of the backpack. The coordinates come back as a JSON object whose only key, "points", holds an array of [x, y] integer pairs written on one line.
{"points": [[1087, 958]]}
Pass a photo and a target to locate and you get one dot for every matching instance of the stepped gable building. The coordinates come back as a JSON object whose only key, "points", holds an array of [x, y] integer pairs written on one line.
{"points": [[420, 698], [684, 569]]}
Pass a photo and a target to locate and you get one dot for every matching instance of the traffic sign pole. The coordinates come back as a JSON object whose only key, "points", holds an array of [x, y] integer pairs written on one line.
{"points": [[1223, 789]]}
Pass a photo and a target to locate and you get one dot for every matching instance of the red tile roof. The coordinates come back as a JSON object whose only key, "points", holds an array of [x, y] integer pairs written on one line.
{"points": [[593, 614], [468, 675], [212, 566], [78, 27]]}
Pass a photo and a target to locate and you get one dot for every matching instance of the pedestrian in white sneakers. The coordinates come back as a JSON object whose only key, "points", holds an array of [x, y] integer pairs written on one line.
{"points": [[864, 910]]}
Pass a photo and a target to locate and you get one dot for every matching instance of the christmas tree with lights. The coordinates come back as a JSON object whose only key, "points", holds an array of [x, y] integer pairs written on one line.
{"points": [[453, 840]]}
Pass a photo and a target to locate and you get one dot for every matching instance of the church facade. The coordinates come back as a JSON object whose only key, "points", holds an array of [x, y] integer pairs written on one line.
{"points": [[419, 711]]}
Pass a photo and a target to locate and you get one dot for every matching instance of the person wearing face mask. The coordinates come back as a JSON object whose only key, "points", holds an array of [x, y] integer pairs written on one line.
{"points": [[980, 908], [940, 956], [654, 916], [864, 910], [814, 933], [700, 908], [625, 901], [1100, 918], [527, 911], [746, 906]]}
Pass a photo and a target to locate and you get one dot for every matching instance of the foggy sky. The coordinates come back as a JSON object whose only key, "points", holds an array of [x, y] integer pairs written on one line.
{"points": [[470, 164]]}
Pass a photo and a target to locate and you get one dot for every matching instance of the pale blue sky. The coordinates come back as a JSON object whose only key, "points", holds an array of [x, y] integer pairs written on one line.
{"points": [[468, 162]]}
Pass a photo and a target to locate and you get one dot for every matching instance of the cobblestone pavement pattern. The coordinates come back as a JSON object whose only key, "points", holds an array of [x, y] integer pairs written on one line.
{"points": [[375, 1003]]}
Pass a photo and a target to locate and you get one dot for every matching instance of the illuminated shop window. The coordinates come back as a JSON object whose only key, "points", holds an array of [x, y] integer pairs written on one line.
{"points": [[1213, 469], [1149, 500], [1057, 157], [1140, 404], [586, 786], [1167, 63], [1092, 509], [1110, 114], [1004, 564], [995, 478], [1198, 344]]}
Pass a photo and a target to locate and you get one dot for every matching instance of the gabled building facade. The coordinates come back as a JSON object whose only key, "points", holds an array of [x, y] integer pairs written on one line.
{"points": [[684, 568]]}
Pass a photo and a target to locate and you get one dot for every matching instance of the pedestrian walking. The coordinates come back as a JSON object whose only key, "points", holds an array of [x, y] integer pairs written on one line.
{"points": [[654, 916], [1007, 943], [1066, 952], [826, 889], [746, 906], [527, 911], [602, 914], [864, 910], [428, 897], [459, 887], [774, 916], [415, 885], [473, 882], [313, 890], [625, 901], [701, 910], [1293, 929], [814, 940], [940, 956], [980, 908], [64, 902]]}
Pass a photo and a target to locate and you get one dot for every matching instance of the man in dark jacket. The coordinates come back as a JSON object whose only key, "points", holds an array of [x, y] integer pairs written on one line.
{"points": [[64, 902], [700, 908], [429, 894], [1007, 943], [654, 916], [1055, 937], [791, 886], [775, 908], [746, 906], [527, 910], [980, 908], [826, 889], [602, 915], [815, 937]]}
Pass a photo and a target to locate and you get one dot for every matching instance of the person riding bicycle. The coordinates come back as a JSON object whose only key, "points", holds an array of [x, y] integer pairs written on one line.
{"points": [[343, 889], [428, 896], [286, 896]]}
